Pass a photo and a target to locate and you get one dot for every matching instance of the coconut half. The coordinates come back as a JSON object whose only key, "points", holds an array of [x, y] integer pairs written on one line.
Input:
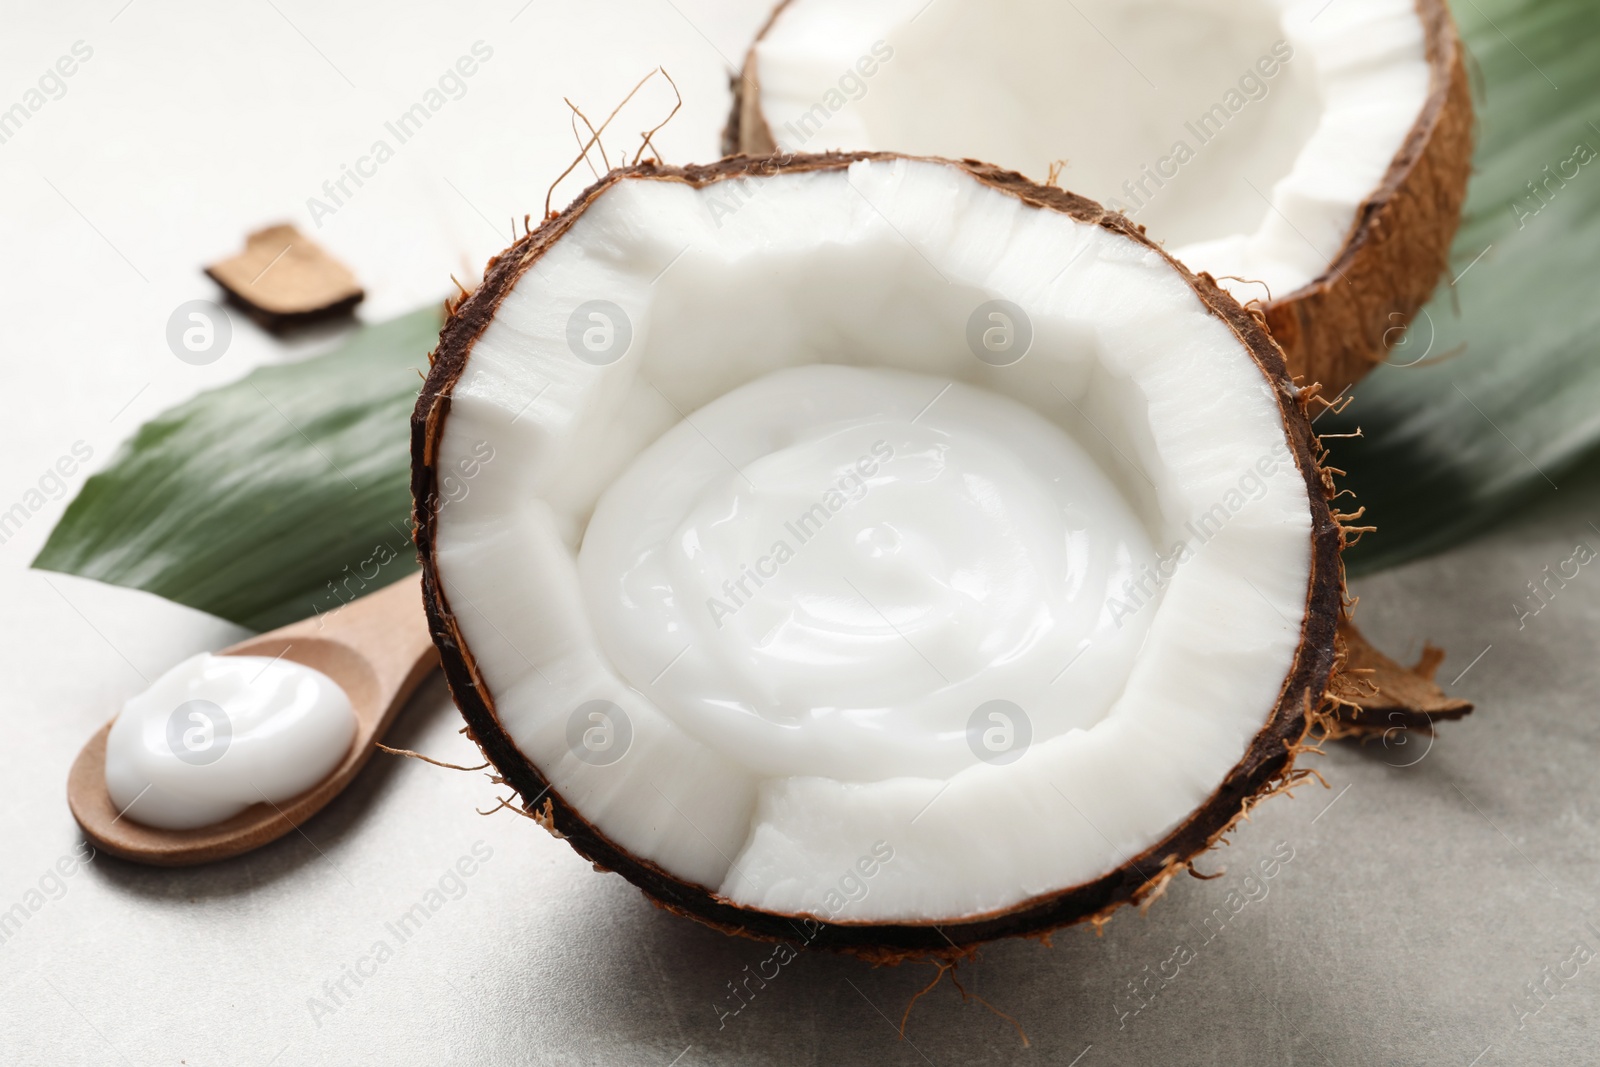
{"points": [[641, 384], [1311, 156]]}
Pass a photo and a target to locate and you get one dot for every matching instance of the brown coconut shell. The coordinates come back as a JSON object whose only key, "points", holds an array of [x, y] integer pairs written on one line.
{"points": [[1266, 767], [1379, 698], [284, 279], [1336, 328]]}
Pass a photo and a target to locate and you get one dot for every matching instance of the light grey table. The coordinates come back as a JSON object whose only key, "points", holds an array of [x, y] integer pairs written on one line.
{"points": [[1431, 889]]}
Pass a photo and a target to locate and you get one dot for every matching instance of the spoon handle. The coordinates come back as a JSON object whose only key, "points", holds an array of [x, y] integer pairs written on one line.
{"points": [[388, 630]]}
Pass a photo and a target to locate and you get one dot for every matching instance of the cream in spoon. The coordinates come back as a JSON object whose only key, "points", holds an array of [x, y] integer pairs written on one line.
{"points": [[216, 734]]}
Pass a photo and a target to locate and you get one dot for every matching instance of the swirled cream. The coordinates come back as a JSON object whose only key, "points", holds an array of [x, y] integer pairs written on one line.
{"points": [[216, 734], [863, 559]]}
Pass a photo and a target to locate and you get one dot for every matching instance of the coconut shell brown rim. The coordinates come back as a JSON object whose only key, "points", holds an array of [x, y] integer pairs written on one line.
{"points": [[1265, 766], [1338, 326]]}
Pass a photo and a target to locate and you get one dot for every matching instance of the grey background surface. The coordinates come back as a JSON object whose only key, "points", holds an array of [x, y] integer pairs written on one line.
{"points": [[1429, 886]]}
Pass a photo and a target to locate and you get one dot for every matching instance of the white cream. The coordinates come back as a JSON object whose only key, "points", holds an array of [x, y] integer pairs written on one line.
{"points": [[216, 734], [861, 560]]}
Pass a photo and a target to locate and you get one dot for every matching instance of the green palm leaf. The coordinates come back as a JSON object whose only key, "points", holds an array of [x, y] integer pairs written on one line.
{"points": [[1503, 399], [268, 500]]}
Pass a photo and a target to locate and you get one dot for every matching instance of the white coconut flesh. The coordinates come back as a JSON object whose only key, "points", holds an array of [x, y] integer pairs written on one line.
{"points": [[1243, 134], [1109, 536]]}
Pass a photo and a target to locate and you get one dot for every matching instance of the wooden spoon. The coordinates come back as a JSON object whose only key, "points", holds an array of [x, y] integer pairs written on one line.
{"points": [[377, 648]]}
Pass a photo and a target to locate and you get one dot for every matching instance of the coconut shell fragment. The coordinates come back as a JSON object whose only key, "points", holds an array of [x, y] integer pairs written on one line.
{"points": [[283, 279], [1376, 695]]}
